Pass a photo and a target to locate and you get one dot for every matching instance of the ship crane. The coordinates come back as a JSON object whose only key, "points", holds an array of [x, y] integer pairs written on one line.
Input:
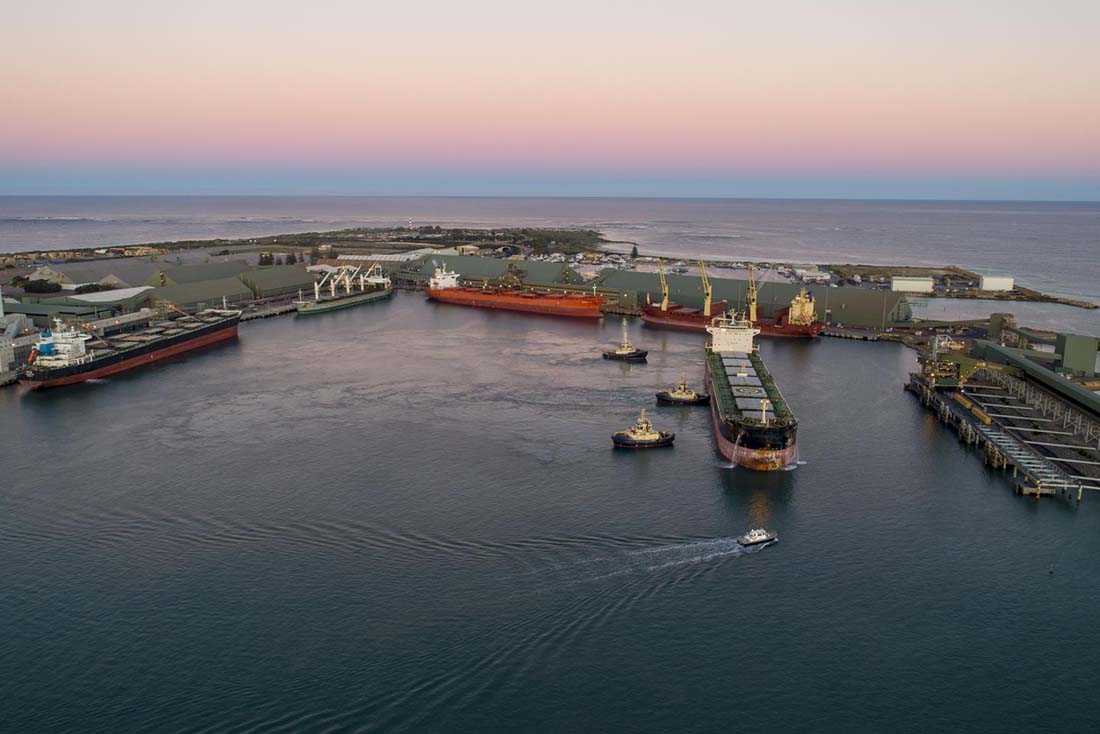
{"points": [[664, 286], [341, 277], [348, 276], [751, 296], [707, 290], [321, 284]]}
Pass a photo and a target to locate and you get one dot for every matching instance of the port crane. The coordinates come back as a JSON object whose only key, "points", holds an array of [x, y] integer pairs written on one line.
{"points": [[664, 286], [708, 291], [750, 296]]}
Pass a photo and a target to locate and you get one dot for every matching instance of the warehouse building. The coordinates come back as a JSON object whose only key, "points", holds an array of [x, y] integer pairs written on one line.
{"points": [[181, 274], [194, 296], [42, 315], [121, 300], [279, 280], [849, 306], [7, 360], [911, 284], [112, 272], [997, 283]]}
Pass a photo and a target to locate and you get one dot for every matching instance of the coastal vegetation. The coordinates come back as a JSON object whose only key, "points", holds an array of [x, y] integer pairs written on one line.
{"points": [[94, 288], [40, 286], [525, 239]]}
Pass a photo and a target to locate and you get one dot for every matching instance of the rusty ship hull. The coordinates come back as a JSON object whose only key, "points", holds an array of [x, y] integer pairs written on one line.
{"points": [[690, 319], [742, 440], [546, 304]]}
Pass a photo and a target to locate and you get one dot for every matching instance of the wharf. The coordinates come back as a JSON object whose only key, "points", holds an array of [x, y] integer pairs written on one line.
{"points": [[866, 335], [1039, 467], [8, 377], [621, 310], [266, 313]]}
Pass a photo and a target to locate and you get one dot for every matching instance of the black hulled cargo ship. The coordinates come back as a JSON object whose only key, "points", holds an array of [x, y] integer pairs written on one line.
{"points": [[62, 357], [753, 425]]}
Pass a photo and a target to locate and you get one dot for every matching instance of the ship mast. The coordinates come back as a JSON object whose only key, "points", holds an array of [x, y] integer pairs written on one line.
{"points": [[707, 290], [664, 286], [751, 296]]}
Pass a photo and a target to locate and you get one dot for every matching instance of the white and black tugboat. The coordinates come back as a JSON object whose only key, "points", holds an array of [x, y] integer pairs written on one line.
{"points": [[642, 435], [626, 352], [682, 394], [757, 536]]}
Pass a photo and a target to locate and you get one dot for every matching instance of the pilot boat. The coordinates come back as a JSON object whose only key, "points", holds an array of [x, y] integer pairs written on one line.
{"points": [[756, 536]]}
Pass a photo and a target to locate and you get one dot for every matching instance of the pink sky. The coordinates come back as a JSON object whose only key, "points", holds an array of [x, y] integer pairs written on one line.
{"points": [[850, 86]]}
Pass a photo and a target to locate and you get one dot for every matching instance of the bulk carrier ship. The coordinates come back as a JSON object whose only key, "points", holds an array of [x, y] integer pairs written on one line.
{"points": [[796, 320], [443, 286], [61, 356], [359, 288], [753, 425]]}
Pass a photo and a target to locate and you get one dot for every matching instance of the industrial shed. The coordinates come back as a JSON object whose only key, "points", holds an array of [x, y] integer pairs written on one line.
{"points": [[180, 274], [279, 280], [122, 300], [43, 314], [188, 296], [849, 306], [118, 272], [472, 267]]}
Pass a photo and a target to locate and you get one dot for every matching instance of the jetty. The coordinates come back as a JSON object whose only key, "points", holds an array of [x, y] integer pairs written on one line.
{"points": [[1050, 443]]}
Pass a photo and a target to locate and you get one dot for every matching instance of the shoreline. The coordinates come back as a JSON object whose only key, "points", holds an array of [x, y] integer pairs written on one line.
{"points": [[539, 242]]}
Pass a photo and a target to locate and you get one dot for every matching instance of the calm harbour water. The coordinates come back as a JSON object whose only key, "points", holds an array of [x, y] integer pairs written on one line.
{"points": [[408, 517]]}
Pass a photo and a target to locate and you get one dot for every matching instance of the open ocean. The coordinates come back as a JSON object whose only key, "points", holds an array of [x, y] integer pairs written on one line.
{"points": [[1053, 247], [408, 517]]}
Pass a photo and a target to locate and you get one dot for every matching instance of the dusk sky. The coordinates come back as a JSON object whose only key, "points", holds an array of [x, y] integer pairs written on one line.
{"points": [[962, 99]]}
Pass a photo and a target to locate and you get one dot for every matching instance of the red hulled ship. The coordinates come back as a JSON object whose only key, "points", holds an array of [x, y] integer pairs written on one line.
{"points": [[796, 320], [443, 286], [60, 356]]}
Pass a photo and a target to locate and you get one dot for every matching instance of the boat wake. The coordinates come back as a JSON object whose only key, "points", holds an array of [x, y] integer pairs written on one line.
{"points": [[644, 561], [615, 584]]}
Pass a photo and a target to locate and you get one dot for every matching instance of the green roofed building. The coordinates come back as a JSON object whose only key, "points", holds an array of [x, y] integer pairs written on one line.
{"points": [[43, 314], [279, 280], [472, 267], [181, 274], [121, 300], [850, 306], [189, 296]]}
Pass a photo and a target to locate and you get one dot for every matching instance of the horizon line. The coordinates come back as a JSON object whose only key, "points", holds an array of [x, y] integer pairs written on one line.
{"points": [[623, 197]]}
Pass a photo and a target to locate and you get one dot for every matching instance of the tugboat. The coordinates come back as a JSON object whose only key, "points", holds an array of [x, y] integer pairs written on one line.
{"points": [[626, 352], [682, 394], [642, 436], [756, 536]]}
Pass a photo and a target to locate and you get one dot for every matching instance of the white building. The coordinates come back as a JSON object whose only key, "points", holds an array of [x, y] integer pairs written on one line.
{"points": [[910, 284], [7, 361], [997, 283], [812, 275]]}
